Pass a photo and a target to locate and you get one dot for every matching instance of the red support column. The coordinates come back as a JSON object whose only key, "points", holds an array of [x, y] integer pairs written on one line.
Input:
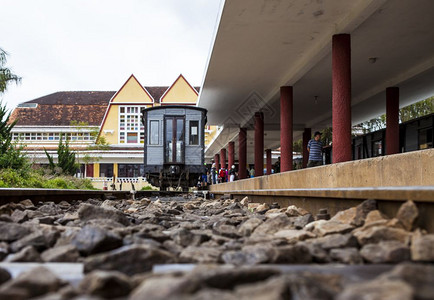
{"points": [[268, 153], [259, 144], [341, 100], [307, 135], [392, 120], [223, 158], [242, 153], [217, 162], [231, 154], [286, 116]]}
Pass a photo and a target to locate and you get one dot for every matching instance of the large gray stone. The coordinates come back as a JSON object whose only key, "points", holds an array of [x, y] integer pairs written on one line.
{"points": [[166, 287], [249, 255], [4, 275], [301, 221], [273, 225], [356, 216], [19, 216], [419, 276], [377, 290], [10, 232], [336, 241], [225, 277], [40, 239], [91, 239], [385, 252], [247, 227], [27, 254], [407, 214], [422, 248], [293, 254], [38, 281], [377, 234], [67, 253], [193, 254], [294, 235], [129, 260], [346, 255], [275, 288], [225, 228], [106, 284], [50, 208], [323, 227], [88, 212]]}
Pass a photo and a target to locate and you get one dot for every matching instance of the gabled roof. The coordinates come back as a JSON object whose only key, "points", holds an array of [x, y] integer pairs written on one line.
{"points": [[60, 108], [158, 91], [180, 77], [132, 85]]}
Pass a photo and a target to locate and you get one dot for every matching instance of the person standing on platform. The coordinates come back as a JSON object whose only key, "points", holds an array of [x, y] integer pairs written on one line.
{"points": [[214, 174], [276, 166], [314, 147], [232, 174], [222, 175], [252, 172]]}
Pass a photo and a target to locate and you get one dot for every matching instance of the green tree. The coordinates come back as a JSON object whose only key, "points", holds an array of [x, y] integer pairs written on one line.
{"points": [[11, 156], [5, 129], [416, 110], [6, 75], [407, 113], [65, 159], [297, 146]]}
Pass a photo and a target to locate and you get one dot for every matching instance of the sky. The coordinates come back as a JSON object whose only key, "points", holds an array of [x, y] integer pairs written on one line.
{"points": [[95, 45]]}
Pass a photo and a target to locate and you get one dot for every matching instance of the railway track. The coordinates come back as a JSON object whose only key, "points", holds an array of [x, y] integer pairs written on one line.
{"points": [[57, 195]]}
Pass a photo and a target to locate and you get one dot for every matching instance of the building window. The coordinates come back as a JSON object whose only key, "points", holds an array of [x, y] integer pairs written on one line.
{"points": [[130, 125], [154, 132], [425, 138], [130, 170], [194, 132], [377, 148], [106, 170]]}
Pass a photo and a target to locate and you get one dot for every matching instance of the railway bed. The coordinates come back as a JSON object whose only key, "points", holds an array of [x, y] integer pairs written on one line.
{"points": [[173, 246]]}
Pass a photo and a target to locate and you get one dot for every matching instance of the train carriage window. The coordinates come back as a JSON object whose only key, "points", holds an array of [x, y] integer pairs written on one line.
{"points": [[154, 132], [194, 133]]}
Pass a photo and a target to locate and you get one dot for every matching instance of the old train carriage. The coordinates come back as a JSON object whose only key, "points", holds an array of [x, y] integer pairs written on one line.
{"points": [[174, 145]]}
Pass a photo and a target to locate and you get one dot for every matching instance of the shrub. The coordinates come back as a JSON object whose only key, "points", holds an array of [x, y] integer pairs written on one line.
{"points": [[35, 179]]}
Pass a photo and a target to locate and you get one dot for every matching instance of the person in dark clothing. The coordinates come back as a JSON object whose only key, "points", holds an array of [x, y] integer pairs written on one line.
{"points": [[315, 150]]}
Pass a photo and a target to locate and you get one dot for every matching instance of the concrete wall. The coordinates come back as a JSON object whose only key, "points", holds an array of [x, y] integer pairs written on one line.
{"points": [[405, 169]]}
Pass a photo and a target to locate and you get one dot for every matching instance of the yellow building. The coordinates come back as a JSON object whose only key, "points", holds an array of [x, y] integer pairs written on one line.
{"points": [[85, 117]]}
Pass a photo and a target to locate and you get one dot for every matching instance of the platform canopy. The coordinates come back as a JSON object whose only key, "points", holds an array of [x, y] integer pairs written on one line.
{"points": [[262, 45]]}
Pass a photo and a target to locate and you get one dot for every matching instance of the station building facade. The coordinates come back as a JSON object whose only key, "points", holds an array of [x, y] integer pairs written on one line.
{"points": [[85, 117]]}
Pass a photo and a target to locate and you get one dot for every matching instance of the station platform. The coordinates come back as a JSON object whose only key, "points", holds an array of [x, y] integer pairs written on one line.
{"points": [[390, 180]]}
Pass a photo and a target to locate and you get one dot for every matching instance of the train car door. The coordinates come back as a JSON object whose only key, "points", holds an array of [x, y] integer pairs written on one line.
{"points": [[174, 139]]}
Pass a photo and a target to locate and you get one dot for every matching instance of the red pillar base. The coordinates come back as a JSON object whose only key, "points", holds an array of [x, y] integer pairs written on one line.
{"points": [[268, 153]]}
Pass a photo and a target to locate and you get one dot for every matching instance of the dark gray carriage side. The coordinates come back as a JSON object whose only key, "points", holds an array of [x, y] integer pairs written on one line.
{"points": [[166, 159]]}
